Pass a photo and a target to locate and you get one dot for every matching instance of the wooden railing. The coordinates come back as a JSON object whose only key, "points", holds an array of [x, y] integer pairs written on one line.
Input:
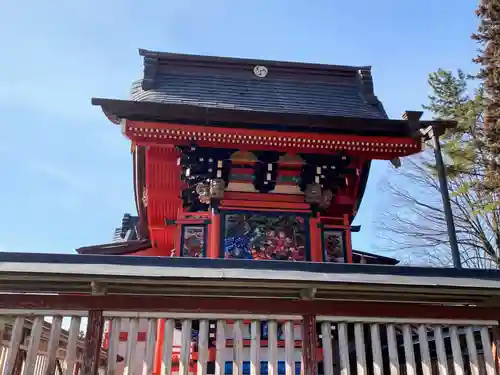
{"points": [[207, 315], [36, 343], [403, 346], [232, 344]]}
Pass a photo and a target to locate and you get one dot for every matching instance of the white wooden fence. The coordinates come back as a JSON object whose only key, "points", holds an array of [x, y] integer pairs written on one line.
{"points": [[44, 345], [396, 350], [348, 345]]}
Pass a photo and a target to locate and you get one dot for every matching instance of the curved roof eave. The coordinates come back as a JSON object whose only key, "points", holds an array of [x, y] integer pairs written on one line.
{"points": [[115, 248]]}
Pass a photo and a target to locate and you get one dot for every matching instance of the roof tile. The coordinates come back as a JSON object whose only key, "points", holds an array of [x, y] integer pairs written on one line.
{"points": [[347, 93]]}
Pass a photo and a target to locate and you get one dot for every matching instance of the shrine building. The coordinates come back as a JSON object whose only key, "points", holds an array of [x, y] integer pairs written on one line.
{"points": [[251, 159]]}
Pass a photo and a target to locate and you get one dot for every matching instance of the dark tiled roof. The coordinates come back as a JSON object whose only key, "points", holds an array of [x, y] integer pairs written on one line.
{"points": [[229, 83], [115, 248], [128, 230], [125, 240]]}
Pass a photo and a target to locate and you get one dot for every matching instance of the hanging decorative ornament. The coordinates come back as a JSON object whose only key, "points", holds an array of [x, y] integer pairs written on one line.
{"points": [[217, 187], [313, 193], [203, 191], [326, 198]]}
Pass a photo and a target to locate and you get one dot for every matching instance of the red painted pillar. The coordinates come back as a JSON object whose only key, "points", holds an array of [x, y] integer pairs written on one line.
{"points": [[159, 346], [178, 242], [315, 240], [309, 344], [348, 239], [214, 235]]}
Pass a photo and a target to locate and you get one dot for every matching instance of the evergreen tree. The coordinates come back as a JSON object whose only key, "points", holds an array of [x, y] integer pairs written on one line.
{"points": [[472, 155], [488, 35], [417, 221]]}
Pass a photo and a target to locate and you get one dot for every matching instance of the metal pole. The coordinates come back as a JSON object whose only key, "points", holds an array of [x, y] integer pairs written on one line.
{"points": [[445, 196]]}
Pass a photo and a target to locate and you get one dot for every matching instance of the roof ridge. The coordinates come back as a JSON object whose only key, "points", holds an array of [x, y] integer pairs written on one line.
{"points": [[250, 61]]}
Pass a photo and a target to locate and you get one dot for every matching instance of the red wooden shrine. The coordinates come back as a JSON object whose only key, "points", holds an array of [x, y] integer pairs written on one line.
{"points": [[253, 159], [250, 159]]}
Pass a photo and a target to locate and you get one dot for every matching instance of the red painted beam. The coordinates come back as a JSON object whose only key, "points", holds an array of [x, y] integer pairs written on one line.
{"points": [[381, 147], [270, 197], [271, 209], [263, 204], [245, 306]]}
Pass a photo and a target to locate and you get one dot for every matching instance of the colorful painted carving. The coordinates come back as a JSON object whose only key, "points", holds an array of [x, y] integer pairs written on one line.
{"points": [[193, 241], [264, 237], [333, 244]]}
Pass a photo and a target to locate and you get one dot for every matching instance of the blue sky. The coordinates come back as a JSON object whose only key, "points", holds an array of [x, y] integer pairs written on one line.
{"points": [[66, 171]]}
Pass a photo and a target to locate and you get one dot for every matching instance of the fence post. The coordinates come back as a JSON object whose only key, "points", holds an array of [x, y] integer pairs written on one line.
{"points": [[309, 345], [93, 339], [93, 336]]}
